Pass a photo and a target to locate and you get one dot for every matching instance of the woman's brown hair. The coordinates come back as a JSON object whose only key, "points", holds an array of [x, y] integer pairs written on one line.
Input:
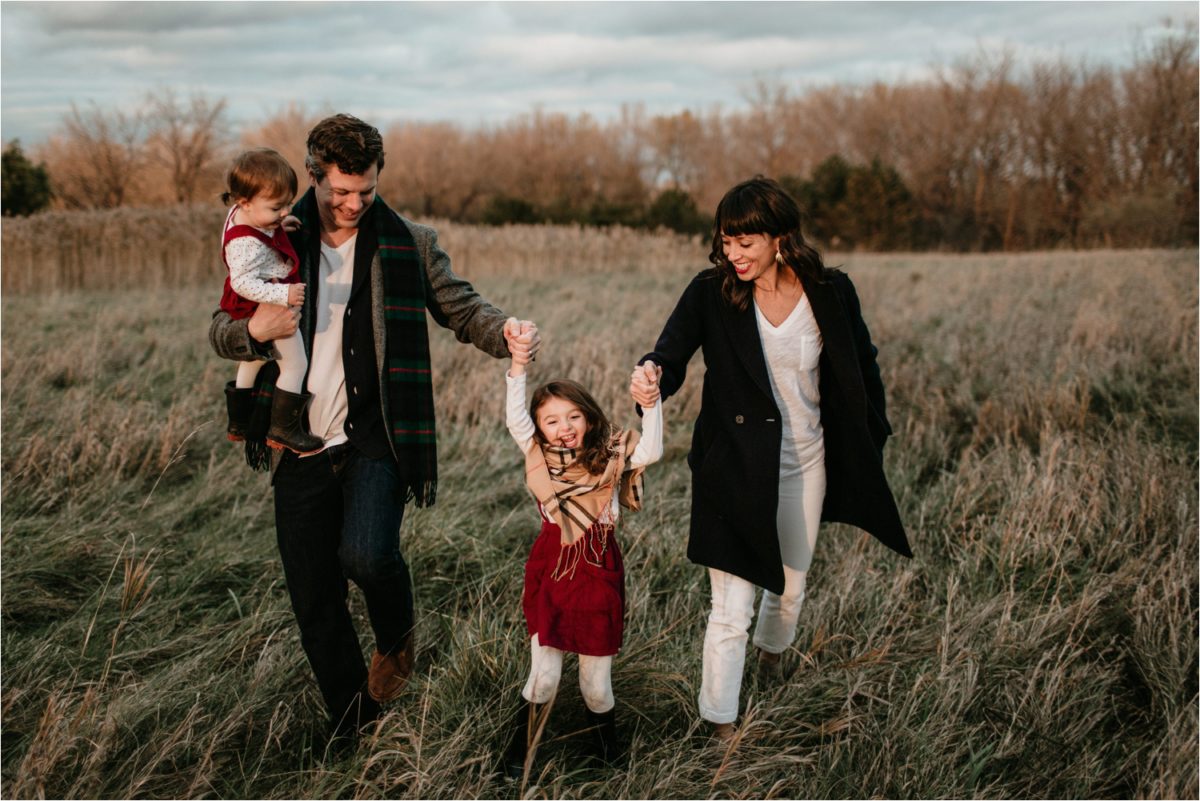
{"points": [[259, 170], [595, 454], [761, 206]]}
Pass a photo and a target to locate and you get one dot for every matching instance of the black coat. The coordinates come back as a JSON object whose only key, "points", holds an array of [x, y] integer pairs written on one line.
{"points": [[737, 436]]}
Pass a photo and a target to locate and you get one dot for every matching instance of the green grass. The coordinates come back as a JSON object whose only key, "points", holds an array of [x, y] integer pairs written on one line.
{"points": [[1043, 642]]}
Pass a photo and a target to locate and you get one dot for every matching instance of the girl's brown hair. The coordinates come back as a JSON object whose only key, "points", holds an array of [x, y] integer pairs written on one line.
{"points": [[259, 170], [761, 206], [594, 455]]}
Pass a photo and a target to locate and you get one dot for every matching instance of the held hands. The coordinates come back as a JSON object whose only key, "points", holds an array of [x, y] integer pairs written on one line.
{"points": [[295, 294], [272, 321], [523, 343], [643, 384]]}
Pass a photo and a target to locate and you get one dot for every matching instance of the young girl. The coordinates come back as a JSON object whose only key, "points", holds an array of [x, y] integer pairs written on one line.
{"points": [[262, 268], [580, 469]]}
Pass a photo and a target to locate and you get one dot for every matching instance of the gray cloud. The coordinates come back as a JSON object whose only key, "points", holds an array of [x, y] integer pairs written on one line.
{"points": [[476, 62]]}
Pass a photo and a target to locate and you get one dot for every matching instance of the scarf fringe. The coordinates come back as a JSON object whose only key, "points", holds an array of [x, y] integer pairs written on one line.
{"points": [[591, 547], [258, 455], [422, 494]]}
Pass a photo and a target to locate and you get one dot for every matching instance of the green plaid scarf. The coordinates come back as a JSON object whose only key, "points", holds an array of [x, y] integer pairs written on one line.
{"points": [[407, 381]]}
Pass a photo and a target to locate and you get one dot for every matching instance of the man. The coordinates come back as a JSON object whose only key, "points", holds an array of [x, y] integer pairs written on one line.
{"points": [[372, 277]]}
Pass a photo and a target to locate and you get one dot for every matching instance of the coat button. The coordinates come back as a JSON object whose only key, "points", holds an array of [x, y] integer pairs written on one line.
{"points": [[739, 419]]}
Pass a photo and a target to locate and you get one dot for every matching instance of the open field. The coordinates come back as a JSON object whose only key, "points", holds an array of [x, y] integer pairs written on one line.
{"points": [[1043, 642]]}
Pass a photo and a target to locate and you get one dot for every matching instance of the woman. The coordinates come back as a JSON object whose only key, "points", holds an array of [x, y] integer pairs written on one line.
{"points": [[790, 432]]}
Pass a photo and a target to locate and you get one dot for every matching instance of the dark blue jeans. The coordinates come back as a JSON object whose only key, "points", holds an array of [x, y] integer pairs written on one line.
{"points": [[337, 517]]}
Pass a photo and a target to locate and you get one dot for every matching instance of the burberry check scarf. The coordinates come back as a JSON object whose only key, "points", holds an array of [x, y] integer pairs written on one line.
{"points": [[575, 499]]}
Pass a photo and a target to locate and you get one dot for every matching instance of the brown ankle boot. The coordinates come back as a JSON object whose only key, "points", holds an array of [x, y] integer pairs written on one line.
{"points": [[287, 423], [389, 673]]}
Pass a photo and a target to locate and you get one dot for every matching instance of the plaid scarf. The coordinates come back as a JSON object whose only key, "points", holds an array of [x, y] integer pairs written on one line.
{"points": [[574, 498], [407, 380]]}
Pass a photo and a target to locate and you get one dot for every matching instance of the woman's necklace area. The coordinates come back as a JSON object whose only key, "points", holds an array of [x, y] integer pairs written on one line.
{"points": [[777, 304]]}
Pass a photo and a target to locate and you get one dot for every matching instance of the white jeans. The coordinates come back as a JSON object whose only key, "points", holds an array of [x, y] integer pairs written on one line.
{"points": [[595, 677], [799, 515]]}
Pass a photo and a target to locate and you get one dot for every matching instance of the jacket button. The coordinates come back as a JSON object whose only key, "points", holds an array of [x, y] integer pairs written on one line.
{"points": [[739, 419]]}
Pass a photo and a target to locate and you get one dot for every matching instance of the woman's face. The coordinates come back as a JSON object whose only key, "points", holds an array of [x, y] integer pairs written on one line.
{"points": [[751, 255], [562, 423]]}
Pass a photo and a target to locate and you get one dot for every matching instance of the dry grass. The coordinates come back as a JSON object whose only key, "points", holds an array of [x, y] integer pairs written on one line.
{"points": [[1043, 643], [179, 246]]}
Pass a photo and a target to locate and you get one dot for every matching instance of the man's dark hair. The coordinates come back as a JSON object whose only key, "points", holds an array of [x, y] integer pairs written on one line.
{"points": [[344, 142]]}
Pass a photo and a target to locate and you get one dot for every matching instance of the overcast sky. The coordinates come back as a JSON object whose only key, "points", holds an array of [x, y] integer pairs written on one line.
{"points": [[475, 63]]}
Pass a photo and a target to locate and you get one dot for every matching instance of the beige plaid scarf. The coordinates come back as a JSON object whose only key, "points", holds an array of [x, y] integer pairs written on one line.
{"points": [[575, 499]]}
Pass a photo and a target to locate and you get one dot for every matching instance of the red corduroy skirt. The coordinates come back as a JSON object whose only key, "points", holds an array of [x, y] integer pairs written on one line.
{"points": [[580, 610]]}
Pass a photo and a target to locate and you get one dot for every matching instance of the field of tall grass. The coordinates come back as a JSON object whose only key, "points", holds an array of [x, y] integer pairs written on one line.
{"points": [[1042, 643]]}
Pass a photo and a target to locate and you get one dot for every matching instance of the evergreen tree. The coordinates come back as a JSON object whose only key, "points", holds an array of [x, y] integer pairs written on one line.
{"points": [[24, 187]]}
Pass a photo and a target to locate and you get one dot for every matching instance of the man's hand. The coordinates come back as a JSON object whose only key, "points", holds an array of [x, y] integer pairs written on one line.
{"points": [[643, 384], [271, 321]]}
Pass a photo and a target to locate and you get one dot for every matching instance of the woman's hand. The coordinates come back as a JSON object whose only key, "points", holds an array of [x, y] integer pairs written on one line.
{"points": [[643, 384], [271, 321]]}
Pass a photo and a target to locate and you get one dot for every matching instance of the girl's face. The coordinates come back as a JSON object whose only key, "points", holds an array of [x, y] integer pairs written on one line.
{"points": [[264, 212], [561, 423], [752, 255]]}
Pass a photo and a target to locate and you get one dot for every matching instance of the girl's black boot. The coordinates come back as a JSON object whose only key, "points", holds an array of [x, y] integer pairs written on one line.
{"points": [[287, 423], [525, 721], [239, 403], [605, 746]]}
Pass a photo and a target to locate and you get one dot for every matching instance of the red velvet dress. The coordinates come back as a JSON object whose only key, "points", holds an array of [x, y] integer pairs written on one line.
{"points": [[576, 604], [231, 302]]}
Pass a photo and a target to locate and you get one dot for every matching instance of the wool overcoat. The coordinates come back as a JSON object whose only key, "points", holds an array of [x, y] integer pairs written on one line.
{"points": [[737, 436]]}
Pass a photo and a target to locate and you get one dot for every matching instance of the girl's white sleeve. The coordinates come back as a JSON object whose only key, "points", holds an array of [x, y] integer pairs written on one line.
{"points": [[650, 447], [520, 426], [249, 260]]}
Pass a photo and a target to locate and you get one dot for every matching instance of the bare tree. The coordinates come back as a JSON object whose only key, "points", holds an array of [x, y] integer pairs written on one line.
{"points": [[95, 161], [187, 138]]}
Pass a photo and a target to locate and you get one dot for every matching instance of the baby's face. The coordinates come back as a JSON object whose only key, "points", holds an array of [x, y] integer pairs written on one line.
{"points": [[562, 423], [265, 212]]}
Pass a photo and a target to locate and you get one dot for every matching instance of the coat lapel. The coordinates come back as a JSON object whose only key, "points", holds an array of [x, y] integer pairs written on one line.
{"points": [[837, 342], [743, 330]]}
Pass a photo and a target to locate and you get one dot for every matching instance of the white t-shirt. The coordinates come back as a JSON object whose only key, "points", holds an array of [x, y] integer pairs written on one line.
{"points": [[793, 352], [327, 373]]}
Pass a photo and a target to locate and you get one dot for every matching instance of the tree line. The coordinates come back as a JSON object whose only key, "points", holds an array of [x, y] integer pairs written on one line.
{"points": [[985, 155]]}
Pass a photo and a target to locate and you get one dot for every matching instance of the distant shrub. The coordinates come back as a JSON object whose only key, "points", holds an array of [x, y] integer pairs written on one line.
{"points": [[26, 187]]}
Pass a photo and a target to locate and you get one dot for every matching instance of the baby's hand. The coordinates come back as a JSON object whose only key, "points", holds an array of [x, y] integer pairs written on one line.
{"points": [[295, 294], [291, 223]]}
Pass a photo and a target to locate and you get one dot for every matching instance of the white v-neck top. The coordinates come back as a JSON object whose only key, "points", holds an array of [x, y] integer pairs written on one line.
{"points": [[793, 352]]}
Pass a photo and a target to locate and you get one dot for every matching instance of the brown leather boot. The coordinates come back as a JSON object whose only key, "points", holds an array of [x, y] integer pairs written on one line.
{"points": [[287, 423], [390, 672], [239, 403]]}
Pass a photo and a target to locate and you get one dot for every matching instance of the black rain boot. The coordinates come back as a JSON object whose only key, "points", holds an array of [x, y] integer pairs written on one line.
{"points": [[287, 423], [605, 747], [239, 403], [525, 721]]}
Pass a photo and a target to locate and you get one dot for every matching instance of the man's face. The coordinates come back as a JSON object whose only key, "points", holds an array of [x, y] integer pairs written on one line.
{"points": [[342, 199]]}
